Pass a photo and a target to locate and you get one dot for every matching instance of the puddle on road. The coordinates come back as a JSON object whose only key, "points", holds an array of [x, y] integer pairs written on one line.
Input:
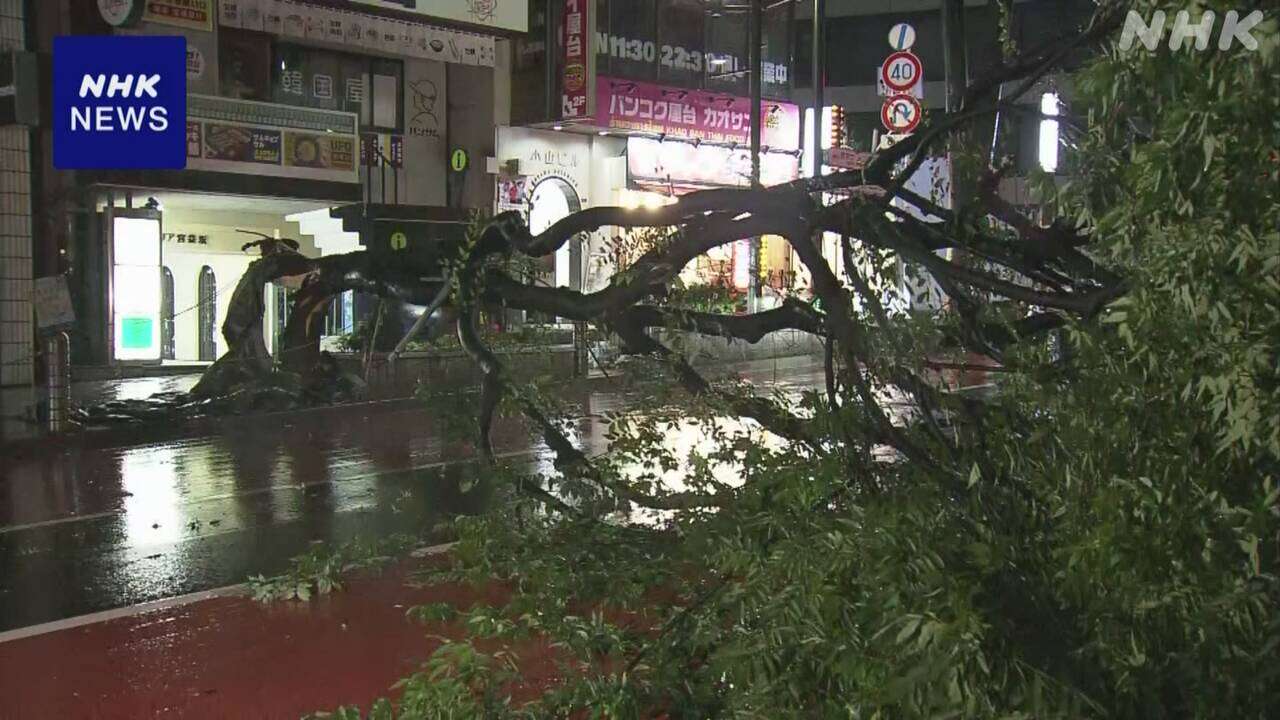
{"points": [[91, 529]]}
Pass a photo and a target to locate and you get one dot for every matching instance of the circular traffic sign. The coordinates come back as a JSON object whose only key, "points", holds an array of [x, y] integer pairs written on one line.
{"points": [[458, 160], [902, 36], [900, 113], [901, 71]]}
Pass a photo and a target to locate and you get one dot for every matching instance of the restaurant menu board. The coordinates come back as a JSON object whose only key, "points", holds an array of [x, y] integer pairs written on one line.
{"points": [[259, 139]]}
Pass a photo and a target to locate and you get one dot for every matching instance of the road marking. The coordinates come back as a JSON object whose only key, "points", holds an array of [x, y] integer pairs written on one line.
{"points": [[117, 613], [162, 604]]}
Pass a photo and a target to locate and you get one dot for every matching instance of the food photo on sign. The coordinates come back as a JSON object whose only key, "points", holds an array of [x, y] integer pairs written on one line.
{"points": [[318, 151], [227, 142]]}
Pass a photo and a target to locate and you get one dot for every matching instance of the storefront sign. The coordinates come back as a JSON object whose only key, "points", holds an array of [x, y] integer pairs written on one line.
{"points": [[693, 114], [186, 238], [360, 32], [684, 164], [422, 95], [119, 102], [541, 155], [192, 14], [847, 158], [240, 136], [510, 15], [575, 88]]}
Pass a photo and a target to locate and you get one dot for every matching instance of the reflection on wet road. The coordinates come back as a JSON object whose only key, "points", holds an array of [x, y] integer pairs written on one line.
{"points": [[86, 529]]}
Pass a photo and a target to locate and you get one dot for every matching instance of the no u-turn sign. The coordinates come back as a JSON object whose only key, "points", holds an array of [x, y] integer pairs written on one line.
{"points": [[900, 114]]}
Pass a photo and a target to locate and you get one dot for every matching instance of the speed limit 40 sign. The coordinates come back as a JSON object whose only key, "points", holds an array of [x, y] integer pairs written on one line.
{"points": [[901, 71]]}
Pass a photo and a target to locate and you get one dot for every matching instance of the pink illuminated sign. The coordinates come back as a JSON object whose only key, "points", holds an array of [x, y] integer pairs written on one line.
{"points": [[693, 114]]}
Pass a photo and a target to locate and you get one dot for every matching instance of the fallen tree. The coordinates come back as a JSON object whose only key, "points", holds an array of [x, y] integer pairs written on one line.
{"points": [[1099, 538]]}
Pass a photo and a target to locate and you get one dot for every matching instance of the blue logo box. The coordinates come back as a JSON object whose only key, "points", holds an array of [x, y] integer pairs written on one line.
{"points": [[119, 103]]}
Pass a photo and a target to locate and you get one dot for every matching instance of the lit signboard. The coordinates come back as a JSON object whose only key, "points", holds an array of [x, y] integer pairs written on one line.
{"points": [[510, 15], [136, 288]]}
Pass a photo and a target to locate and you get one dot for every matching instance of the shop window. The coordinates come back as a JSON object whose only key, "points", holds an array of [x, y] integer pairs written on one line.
{"points": [[692, 44], [680, 28], [338, 318], [775, 56], [244, 64], [330, 80], [630, 49], [386, 96], [528, 69], [726, 55]]}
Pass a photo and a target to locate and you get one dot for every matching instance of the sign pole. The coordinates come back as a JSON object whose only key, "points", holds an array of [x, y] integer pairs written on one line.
{"points": [[954, 61], [819, 77]]}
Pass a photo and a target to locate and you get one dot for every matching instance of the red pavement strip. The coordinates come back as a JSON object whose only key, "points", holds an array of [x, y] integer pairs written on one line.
{"points": [[224, 655]]}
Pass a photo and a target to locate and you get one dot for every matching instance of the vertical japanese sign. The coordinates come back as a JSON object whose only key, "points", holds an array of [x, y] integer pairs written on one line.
{"points": [[577, 61]]}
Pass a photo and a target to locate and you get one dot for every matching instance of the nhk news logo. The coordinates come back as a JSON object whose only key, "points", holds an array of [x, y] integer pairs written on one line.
{"points": [[1232, 28], [120, 102]]}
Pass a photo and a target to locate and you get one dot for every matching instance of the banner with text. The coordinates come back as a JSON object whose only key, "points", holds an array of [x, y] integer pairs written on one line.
{"points": [[693, 114], [267, 139], [575, 65], [510, 15]]}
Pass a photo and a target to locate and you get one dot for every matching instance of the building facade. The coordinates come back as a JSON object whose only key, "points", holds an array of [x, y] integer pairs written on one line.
{"points": [[634, 104], [17, 268], [325, 122]]}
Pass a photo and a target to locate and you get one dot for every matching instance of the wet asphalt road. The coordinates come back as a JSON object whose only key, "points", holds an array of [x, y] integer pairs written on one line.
{"points": [[84, 529]]}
